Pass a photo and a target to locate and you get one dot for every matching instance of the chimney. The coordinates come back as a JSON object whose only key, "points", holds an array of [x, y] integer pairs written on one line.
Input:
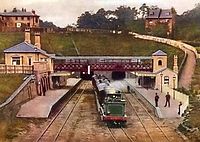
{"points": [[175, 67], [37, 40], [33, 11], [27, 35]]}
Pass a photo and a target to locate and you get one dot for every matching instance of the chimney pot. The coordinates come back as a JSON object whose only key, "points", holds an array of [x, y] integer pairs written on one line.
{"points": [[37, 40], [33, 11], [27, 35]]}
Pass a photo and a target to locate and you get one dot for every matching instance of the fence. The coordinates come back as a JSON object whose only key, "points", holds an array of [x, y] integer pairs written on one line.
{"points": [[177, 96], [16, 69]]}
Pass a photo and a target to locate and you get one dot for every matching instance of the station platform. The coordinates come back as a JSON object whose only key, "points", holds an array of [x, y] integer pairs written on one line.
{"points": [[41, 106], [149, 95]]}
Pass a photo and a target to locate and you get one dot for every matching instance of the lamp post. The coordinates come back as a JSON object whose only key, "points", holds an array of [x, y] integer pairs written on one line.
{"points": [[161, 75], [174, 80]]}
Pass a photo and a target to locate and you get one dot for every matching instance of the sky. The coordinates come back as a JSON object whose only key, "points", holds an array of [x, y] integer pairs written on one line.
{"points": [[66, 12]]}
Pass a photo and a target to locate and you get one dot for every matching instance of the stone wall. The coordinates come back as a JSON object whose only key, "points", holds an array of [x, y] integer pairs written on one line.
{"points": [[24, 93]]}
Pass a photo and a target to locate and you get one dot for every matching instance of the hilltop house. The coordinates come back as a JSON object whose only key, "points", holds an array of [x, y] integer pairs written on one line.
{"points": [[160, 16], [17, 19]]}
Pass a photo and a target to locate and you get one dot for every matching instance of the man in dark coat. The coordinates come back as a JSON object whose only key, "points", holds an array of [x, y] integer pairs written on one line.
{"points": [[156, 99], [167, 100]]}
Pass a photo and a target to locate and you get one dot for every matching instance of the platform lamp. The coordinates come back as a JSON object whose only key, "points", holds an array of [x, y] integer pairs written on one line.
{"points": [[174, 81], [161, 75]]}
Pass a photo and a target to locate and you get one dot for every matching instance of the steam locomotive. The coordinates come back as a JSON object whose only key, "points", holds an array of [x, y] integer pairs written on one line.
{"points": [[110, 102]]}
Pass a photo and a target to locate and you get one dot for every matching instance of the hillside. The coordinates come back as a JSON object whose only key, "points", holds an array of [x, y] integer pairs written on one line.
{"points": [[93, 44]]}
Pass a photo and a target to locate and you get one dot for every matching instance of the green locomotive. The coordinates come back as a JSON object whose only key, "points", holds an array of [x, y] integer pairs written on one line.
{"points": [[110, 102]]}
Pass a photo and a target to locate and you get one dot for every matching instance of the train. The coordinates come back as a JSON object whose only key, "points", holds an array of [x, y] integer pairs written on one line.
{"points": [[110, 102]]}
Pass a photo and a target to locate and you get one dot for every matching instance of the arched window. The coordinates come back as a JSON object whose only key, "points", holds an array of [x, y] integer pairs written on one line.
{"points": [[160, 62]]}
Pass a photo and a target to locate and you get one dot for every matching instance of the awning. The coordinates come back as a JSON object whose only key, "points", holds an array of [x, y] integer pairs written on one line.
{"points": [[61, 74], [144, 74]]}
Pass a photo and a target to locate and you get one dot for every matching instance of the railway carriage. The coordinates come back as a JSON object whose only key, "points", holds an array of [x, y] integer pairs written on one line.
{"points": [[110, 102]]}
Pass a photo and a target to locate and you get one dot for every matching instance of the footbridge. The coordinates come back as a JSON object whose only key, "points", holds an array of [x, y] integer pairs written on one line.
{"points": [[103, 63]]}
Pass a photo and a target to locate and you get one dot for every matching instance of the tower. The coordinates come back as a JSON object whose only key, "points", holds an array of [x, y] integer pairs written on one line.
{"points": [[159, 60]]}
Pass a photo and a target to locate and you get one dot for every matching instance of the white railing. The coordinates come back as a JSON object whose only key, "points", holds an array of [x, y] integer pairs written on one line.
{"points": [[183, 98]]}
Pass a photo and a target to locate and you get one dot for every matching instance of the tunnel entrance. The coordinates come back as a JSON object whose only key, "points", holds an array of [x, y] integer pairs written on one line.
{"points": [[117, 75], [86, 76]]}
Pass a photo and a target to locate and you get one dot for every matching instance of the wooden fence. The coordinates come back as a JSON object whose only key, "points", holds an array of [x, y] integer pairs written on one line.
{"points": [[15, 69]]}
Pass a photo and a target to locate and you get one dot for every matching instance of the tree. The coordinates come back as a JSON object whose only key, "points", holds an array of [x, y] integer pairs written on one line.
{"points": [[144, 9], [160, 30], [124, 16]]}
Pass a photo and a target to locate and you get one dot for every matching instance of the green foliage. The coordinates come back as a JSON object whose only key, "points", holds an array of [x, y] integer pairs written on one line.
{"points": [[187, 25], [57, 43], [137, 26], [160, 30], [122, 45], [115, 20], [8, 84], [8, 40]]}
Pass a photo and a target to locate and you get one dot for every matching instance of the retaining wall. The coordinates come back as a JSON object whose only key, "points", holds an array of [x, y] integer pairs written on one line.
{"points": [[25, 92]]}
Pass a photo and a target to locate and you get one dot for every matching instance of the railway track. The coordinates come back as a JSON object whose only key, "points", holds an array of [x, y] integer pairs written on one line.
{"points": [[56, 125], [134, 102], [119, 133]]}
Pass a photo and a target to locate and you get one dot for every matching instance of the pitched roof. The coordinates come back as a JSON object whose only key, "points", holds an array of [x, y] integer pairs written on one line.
{"points": [[166, 13], [159, 53], [153, 13], [18, 13], [25, 47], [159, 13]]}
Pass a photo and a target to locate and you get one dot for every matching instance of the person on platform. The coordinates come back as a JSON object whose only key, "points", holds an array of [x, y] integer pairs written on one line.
{"points": [[167, 100], [179, 108], [156, 99], [128, 88]]}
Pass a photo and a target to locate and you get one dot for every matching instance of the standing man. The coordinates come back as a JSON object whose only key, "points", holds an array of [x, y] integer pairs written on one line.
{"points": [[167, 100], [179, 108], [128, 88], [156, 99]]}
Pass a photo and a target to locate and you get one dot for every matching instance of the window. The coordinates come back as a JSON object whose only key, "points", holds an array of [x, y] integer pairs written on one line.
{"points": [[28, 24], [160, 62], [151, 13], [28, 18], [22, 18], [16, 60], [2, 18], [29, 61], [36, 20], [166, 79], [16, 18]]}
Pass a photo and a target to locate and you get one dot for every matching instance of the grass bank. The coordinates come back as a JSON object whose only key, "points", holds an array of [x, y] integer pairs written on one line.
{"points": [[192, 119], [9, 83]]}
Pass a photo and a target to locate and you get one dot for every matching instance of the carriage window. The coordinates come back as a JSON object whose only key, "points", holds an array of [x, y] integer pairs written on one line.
{"points": [[160, 62]]}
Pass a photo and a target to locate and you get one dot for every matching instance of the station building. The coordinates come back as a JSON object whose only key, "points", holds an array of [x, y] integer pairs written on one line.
{"points": [[27, 53], [161, 75]]}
